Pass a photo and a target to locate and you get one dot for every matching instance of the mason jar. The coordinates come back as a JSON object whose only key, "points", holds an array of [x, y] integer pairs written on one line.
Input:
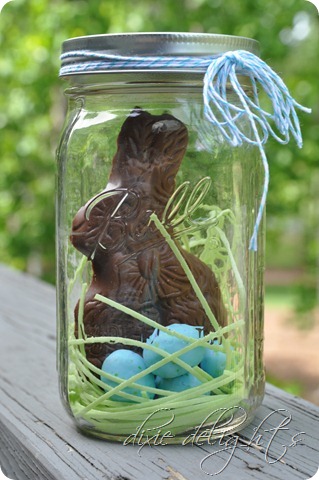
{"points": [[160, 298]]}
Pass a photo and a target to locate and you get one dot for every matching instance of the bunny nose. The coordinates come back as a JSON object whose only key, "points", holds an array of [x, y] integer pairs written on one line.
{"points": [[166, 126]]}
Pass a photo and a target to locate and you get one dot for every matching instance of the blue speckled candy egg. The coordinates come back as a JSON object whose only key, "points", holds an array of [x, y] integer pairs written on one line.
{"points": [[124, 364], [213, 362], [179, 384], [171, 344]]}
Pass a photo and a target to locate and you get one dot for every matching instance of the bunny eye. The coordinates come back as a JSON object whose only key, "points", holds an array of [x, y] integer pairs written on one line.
{"points": [[120, 203], [126, 206]]}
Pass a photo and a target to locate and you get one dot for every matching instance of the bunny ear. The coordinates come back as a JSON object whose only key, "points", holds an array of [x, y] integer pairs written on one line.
{"points": [[170, 139], [134, 136], [150, 138]]}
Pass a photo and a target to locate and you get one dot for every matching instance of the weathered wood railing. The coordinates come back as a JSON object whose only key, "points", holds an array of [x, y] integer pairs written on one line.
{"points": [[39, 442]]}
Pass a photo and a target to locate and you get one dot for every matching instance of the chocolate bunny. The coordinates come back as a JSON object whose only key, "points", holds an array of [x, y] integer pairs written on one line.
{"points": [[132, 263]]}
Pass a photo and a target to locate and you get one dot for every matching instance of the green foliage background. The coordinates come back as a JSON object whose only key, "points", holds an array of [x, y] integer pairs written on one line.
{"points": [[33, 107]]}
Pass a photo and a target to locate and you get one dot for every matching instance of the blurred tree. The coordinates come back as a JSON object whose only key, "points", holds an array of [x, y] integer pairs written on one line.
{"points": [[32, 106]]}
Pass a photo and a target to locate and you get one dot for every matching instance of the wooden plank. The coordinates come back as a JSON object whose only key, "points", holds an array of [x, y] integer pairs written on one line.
{"points": [[39, 441]]}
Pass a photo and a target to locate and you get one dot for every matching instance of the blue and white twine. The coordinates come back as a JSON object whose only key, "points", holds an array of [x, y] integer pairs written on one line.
{"points": [[220, 72]]}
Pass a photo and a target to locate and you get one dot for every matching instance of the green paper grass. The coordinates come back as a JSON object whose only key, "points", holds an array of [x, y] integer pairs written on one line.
{"points": [[90, 398]]}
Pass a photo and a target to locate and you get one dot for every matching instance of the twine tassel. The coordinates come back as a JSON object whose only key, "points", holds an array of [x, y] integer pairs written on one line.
{"points": [[224, 71]]}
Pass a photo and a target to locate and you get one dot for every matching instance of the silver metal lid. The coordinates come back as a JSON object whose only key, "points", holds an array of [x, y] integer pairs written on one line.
{"points": [[154, 44], [161, 44]]}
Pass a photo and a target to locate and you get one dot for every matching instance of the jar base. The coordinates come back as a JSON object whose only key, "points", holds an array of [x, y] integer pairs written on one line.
{"points": [[207, 434]]}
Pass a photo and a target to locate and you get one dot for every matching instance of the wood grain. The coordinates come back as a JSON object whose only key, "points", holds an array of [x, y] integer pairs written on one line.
{"points": [[39, 441]]}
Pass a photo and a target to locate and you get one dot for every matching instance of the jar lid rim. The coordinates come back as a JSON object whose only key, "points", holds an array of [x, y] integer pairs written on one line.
{"points": [[161, 43]]}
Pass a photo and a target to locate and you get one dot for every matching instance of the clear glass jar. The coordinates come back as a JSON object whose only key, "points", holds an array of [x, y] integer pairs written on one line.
{"points": [[160, 300]]}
